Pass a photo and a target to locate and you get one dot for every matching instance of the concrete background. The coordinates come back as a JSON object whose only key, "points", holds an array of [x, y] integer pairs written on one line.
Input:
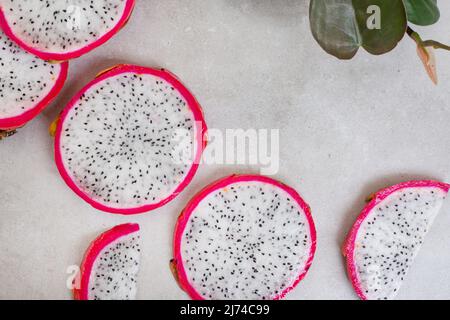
{"points": [[347, 129]]}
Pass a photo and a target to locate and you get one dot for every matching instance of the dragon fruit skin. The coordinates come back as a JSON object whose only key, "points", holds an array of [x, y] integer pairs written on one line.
{"points": [[25, 60], [7, 27], [177, 264], [379, 202], [111, 73], [115, 237]]}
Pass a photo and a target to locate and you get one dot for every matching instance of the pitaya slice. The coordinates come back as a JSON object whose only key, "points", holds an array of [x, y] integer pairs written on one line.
{"points": [[243, 237], [388, 234], [62, 29], [110, 266], [27, 84], [117, 143]]}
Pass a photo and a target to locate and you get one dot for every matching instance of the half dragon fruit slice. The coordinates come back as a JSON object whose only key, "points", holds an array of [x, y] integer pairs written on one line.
{"points": [[243, 237], [388, 234], [131, 140], [60, 29], [27, 84], [110, 266]]}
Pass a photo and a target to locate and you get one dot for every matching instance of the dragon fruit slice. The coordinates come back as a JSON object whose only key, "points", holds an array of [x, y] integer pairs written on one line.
{"points": [[131, 140], [110, 266], [387, 236], [62, 29], [243, 237], [27, 84]]}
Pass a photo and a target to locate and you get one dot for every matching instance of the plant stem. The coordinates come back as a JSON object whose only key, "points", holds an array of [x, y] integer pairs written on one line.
{"points": [[427, 43], [435, 44], [414, 35]]}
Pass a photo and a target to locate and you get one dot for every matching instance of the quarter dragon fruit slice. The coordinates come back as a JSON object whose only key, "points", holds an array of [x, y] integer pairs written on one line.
{"points": [[243, 237], [110, 266], [27, 85], [388, 234], [62, 29], [131, 140]]}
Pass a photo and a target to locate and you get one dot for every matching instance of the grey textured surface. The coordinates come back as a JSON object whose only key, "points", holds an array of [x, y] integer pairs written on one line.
{"points": [[347, 129]]}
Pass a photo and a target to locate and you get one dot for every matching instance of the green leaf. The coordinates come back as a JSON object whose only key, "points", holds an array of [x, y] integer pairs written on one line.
{"points": [[341, 26], [334, 27], [422, 12], [393, 24]]}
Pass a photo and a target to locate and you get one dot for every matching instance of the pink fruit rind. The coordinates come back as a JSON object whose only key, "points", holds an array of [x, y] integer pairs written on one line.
{"points": [[349, 245], [200, 136], [93, 252], [184, 218], [20, 120], [4, 25]]}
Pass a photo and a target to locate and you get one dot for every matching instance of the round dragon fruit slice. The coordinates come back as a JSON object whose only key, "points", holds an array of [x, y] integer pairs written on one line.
{"points": [[27, 84], [243, 237], [131, 140], [110, 266], [388, 234], [60, 29]]}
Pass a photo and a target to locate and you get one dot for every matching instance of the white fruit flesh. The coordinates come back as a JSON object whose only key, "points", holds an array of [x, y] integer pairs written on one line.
{"points": [[114, 273], [121, 142], [25, 80], [61, 26], [391, 236], [250, 240]]}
